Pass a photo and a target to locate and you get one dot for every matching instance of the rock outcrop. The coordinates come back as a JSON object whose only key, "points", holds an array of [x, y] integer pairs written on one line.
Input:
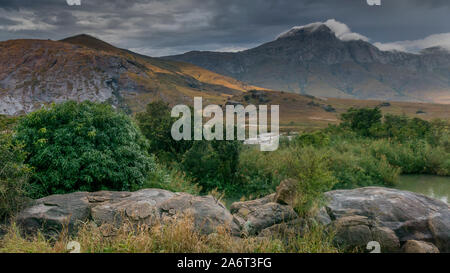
{"points": [[257, 215], [413, 246], [399, 221], [391, 217], [148, 206]]}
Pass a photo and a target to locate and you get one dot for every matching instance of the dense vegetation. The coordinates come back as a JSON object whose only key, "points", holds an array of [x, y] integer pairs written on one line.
{"points": [[352, 155], [89, 147], [13, 176], [83, 147], [212, 165]]}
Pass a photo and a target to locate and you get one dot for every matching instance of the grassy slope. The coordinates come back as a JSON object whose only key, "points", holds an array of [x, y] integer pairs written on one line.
{"points": [[300, 113], [170, 78]]}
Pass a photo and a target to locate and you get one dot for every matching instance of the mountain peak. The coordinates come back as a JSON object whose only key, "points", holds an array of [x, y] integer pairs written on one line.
{"points": [[89, 41], [307, 29], [340, 30]]}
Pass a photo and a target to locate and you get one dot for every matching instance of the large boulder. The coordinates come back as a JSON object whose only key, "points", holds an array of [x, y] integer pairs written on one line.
{"points": [[208, 212], [55, 213], [286, 193], [52, 214], [413, 246], [257, 215], [391, 217]]}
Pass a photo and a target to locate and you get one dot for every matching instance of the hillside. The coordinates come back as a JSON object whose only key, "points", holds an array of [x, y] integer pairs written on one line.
{"points": [[313, 60], [305, 113], [37, 72]]}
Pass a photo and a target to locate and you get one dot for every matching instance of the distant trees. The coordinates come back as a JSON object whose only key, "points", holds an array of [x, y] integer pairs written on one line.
{"points": [[369, 122], [362, 120], [83, 147]]}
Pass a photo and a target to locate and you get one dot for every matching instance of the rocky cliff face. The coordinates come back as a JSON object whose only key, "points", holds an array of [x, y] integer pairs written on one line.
{"points": [[36, 72], [314, 61]]}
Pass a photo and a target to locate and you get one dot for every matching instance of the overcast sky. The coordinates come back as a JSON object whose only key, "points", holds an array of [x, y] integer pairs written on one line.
{"points": [[164, 27]]}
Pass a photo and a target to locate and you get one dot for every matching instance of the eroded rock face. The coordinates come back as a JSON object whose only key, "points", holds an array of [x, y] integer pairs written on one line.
{"points": [[256, 215], [51, 214], [390, 216]]}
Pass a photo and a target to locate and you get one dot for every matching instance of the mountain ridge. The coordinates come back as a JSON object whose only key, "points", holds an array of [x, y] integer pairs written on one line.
{"points": [[35, 72], [317, 62]]}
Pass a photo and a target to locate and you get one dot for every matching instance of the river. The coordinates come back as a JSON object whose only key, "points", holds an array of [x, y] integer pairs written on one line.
{"points": [[430, 185]]}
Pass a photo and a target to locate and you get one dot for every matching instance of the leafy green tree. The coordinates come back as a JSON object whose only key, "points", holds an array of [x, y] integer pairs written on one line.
{"points": [[156, 124], [403, 128], [362, 120], [212, 164], [83, 147], [13, 176]]}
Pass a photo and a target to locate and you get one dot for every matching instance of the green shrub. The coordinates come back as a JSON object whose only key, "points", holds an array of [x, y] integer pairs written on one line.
{"points": [[311, 168], [317, 139], [83, 147], [156, 125], [362, 120], [171, 180], [413, 157], [258, 172], [13, 176], [7, 123], [212, 164]]}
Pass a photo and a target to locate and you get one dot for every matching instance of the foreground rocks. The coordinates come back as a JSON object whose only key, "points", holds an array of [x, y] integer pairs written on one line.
{"points": [[148, 206], [389, 216], [399, 221], [257, 215]]}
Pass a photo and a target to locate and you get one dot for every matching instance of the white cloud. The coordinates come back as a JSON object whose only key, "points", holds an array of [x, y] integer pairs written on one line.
{"points": [[341, 30], [344, 33], [232, 49], [435, 40]]}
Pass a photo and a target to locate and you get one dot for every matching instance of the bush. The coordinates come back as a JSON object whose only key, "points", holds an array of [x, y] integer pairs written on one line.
{"points": [[7, 123], [156, 124], [258, 173], [171, 180], [13, 176], [213, 164], [362, 120], [83, 147], [311, 168], [317, 139]]}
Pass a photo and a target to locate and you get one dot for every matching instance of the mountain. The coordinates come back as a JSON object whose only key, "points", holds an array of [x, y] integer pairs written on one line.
{"points": [[38, 72], [314, 60]]}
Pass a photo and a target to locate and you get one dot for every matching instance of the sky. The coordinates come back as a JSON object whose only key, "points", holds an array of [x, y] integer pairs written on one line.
{"points": [[167, 27]]}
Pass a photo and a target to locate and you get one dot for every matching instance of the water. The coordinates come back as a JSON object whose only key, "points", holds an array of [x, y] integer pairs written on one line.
{"points": [[437, 187]]}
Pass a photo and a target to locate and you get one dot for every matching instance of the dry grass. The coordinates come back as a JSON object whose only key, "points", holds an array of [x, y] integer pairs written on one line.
{"points": [[176, 236], [304, 113]]}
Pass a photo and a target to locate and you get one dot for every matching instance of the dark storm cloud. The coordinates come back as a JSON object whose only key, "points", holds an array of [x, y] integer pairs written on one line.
{"points": [[160, 27]]}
